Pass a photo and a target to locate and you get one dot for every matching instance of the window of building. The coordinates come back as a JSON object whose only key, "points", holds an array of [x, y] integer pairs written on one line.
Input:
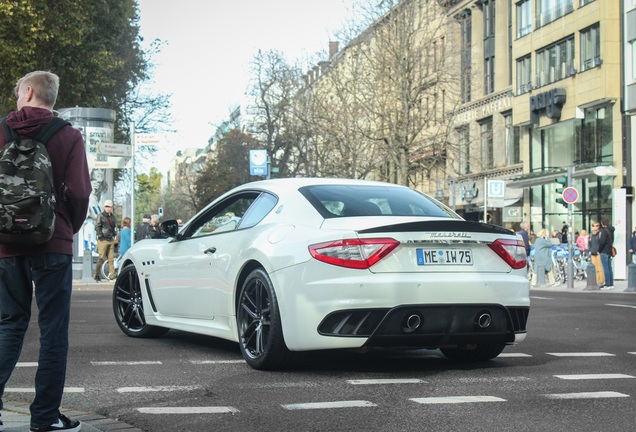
{"points": [[524, 18], [590, 48], [513, 153], [464, 150], [524, 74], [550, 10], [487, 150], [555, 62], [631, 60], [595, 136], [584, 2], [466, 58], [489, 46]]}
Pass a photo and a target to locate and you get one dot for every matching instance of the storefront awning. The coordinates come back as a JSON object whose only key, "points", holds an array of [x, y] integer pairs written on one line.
{"points": [[549, 176]]}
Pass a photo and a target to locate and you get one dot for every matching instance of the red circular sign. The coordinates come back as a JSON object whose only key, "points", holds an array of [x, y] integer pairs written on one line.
{"points": [[570, 195]]}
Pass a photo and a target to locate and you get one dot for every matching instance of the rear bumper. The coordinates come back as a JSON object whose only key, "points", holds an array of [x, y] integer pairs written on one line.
{"points": [[429, 326]]}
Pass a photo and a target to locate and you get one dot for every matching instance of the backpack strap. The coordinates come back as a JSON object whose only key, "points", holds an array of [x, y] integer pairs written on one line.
{"points": [[9, 133], [50, 129]]}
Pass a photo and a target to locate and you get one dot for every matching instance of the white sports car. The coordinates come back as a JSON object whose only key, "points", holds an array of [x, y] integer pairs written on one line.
{"points": [[288, 265]]}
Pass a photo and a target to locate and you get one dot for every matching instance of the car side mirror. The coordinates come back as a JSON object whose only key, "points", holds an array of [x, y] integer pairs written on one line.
{"points": [[169, 228]]}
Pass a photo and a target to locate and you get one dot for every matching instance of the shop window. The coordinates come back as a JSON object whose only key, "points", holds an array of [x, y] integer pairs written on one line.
{"points": [[524, 18], [590, 48], [524, 74], [595, 136], [555, 62]]}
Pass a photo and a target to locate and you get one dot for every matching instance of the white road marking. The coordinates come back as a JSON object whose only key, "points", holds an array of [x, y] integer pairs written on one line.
{"points": [[204, 362], [32, 390], [156, 389], [329, 405], [621, 305], [582, 354], [513, 355], [457, 399], [593, 376], [26, 364], [386, 381], [634, 353], [188, 410], [586, 395], [124, 363]]}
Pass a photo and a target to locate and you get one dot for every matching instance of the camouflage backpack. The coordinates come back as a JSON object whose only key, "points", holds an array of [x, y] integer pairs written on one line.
{"points": [[27, 194]]}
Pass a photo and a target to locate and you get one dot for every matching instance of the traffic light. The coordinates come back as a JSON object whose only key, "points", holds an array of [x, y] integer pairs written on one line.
{"points": [[563, 181]]}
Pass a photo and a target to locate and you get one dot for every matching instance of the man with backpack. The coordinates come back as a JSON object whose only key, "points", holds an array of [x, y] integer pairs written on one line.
{"points": [[44, 267]]}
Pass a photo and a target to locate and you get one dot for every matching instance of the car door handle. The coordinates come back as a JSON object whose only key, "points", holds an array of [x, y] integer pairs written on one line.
{"points": [[210, 250]]}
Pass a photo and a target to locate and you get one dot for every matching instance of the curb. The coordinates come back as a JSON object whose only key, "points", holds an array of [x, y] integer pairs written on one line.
{"points": [[17, 418]]}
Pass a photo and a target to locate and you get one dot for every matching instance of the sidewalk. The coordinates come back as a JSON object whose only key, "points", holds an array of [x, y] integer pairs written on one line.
{"points": [[581, 286]]}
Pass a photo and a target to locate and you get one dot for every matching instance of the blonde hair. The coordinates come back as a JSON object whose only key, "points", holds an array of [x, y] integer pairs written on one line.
{"points": [[45, 86], [543, 233]]}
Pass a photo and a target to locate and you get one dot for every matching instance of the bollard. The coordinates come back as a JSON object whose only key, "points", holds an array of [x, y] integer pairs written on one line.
{"points": [[87, 267], [591, 277], [631, 277], [540, 275]]}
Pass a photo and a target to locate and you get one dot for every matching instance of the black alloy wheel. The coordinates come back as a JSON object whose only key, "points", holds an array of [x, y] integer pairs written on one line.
{"points": [[128, 306], [259, 324]]}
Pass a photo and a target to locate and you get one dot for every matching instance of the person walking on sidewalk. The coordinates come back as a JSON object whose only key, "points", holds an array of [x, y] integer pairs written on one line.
{"points": [[605, 246], [543, 257], [594, 255], [105, 228], [45, 269]]}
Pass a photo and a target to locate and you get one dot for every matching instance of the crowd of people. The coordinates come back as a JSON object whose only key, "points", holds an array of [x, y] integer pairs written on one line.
{"points": [[599, 244]]}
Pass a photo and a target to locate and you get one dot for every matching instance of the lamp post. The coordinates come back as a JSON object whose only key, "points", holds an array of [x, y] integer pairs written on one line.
{"points": [[439, 192], [468, 191]]}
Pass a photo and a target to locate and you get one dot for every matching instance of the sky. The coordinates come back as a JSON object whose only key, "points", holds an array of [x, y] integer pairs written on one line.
{"points": [[209, 45]]}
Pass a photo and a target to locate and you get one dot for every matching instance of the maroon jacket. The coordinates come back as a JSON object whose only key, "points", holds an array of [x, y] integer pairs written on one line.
{"points": [[70, 178]]}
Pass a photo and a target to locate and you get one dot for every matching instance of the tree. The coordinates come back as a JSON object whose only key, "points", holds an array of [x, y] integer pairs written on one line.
{"points": [[273, 87], [227, 167], [93, 45], [148, 195]]}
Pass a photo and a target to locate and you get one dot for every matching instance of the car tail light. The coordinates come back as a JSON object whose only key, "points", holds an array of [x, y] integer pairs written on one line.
{"points": [[512, 251], [353, 253]]}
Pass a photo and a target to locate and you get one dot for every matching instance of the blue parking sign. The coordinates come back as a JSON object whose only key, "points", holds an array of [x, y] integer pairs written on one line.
{"points": [[258, 163]]}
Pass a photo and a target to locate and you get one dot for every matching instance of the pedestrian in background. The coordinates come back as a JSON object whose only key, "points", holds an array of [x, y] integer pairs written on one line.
{"points": [[142, 230], [45, 269], [595, 256], [124, 236], [583, 241], [605, 246], [632, 245], [106, 230], [523, 233], [153, 229], [543, 257]]}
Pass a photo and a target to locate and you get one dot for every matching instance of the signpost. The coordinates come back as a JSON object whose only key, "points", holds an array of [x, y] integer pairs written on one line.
{"points": [[259, 163]]}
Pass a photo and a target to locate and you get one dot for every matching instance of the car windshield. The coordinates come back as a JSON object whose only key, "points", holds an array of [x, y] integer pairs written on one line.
{"points": [[333, 201]]}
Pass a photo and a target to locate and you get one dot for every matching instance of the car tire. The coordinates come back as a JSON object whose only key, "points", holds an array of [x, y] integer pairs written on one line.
{"points": [[474, 352], [129, 308], [259, 324]]}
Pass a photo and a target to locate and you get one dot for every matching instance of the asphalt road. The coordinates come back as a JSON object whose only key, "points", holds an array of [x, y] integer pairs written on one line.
{"points": [[575, 371]]}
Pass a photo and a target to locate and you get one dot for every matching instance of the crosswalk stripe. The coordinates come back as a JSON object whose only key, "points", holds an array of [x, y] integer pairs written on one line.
{"points": [[157, 389], [586, 395], [593, 376], [204, 362], [125, 363], [457, 399], [513, 355], [330, 405], [386, 381], [26, 364], [582, 354], [32, 390], [188, 410]]}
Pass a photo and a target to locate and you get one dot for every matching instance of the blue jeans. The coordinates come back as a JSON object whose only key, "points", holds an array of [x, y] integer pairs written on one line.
{"points": [[52, 275], [606, 260]]}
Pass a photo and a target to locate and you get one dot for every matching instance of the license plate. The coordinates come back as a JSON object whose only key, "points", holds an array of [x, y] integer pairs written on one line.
{"points": [[444, 257]]}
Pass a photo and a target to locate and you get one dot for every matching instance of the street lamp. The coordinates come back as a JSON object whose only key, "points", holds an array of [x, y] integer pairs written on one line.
{"points": [[439, 192]]}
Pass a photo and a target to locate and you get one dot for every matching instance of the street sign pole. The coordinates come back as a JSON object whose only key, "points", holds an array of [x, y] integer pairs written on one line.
{"points": [[570, 236]]}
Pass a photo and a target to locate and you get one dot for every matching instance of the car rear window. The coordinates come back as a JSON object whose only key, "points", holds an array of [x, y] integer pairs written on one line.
{"points": [[333, 201]]}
